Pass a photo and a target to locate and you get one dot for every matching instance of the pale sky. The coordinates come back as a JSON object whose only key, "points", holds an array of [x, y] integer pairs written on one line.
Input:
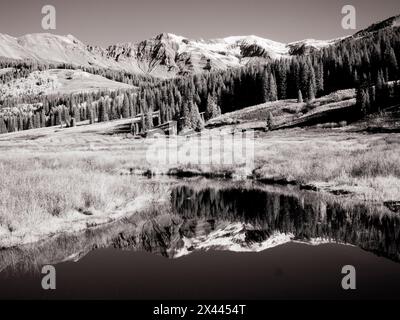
{"points": [[104, 22]]}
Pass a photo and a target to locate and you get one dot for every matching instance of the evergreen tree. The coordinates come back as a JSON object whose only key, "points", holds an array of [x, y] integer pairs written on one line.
{"points": [[125, 107], [311, 92], [265, 86], [106, 110], [311, 84], [195, 118], [101, 110], [391, 64], [3, 127], [362, 99], [42, 118], [270, 121], [186, 116], [299, 97], [91, 115], [212, 110], [149, 119], [273, 92]]}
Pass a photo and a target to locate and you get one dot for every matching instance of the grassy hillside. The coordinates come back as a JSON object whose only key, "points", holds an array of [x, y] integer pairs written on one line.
{"points": [[287, 112], [58, 81]]}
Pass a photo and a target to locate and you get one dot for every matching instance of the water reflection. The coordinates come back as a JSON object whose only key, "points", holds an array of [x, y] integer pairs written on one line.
{"points": [[306, 216], [231, 216]]}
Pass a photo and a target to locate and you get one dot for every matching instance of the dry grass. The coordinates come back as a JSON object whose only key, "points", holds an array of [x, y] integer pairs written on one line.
{"points": [[286, 111], [48, 193], [366, 165]]}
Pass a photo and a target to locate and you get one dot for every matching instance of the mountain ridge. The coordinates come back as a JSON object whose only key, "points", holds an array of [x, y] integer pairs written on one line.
{"points": [[166, 54]]}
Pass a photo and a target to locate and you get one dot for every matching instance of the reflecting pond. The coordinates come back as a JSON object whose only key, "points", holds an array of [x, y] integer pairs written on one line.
{"points": [[220, 239]]}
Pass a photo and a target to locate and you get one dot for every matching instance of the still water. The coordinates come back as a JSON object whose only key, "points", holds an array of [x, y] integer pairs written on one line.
{"points": [[220, 240]]}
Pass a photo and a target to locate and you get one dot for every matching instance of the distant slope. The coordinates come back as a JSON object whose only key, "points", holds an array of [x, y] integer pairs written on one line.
{"points": [[391, 22], [6, 70], [290, 113], [58, 81]]}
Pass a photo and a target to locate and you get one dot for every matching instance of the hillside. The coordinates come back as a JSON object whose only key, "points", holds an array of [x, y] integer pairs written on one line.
{"points": [[58, 81], [290, 113], [391, 22]]}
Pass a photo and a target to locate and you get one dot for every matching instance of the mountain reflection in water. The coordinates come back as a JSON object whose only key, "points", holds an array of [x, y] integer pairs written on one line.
{"points": [[229, 216]]}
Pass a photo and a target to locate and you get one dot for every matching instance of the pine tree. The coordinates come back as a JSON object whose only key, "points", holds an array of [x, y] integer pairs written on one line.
{"points": [[3, 127], [91, 115], [149, 119], [270, 121], [125, 107], [212, 110], [311, 84], [372, 97], [273, 92], [195, 118], [282, 82], [30, 122], [265, 86], [59, 116], [299, 97], [143, 122], [362, 99], [311, 92], [42, 118], [66, 116], [186, 117], [320, 79], [106, 107], [101, 110], [391, 63]]}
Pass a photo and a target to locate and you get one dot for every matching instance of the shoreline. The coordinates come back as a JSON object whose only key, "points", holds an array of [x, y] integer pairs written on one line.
{"points": [[76, 222]]}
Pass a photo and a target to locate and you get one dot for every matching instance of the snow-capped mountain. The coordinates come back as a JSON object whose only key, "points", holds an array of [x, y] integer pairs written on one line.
{"points": [[168, 53], [165, 55], [309, 45]]}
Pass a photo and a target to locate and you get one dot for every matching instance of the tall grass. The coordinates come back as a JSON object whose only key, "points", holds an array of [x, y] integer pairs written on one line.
{"points": [[33, 191], [371, 170]]}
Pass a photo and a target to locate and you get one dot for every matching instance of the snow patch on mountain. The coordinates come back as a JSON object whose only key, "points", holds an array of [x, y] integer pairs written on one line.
{"points": [[317, 44], [230, 238], [240, 237]]}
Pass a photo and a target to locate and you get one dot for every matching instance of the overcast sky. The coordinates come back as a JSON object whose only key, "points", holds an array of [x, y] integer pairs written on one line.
{"points": [[104, 22]]}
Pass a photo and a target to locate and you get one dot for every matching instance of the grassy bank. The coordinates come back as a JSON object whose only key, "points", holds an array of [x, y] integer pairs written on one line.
{"points": [[44, 195], [366, 165]]}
